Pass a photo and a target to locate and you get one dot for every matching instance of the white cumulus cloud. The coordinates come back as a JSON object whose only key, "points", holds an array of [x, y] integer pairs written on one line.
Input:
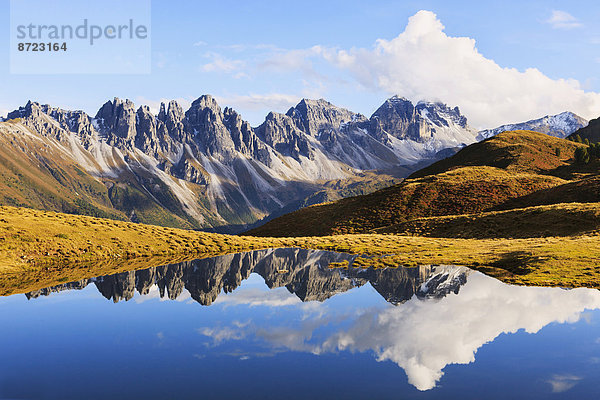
{"points": [[423, 62]]}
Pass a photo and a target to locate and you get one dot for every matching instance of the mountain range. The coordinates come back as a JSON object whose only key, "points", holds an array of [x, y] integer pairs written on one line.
{"points": [[207, 168]]}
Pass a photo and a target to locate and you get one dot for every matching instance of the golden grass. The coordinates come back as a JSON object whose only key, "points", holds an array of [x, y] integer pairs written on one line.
{"points": [[41, 248], [459, 191], [566, 219]]}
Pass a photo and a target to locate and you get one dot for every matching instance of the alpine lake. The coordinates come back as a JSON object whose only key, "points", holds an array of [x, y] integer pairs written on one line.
{"points": [[283, 324]]}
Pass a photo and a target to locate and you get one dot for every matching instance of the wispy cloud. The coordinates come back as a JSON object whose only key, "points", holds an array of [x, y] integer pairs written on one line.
{"points": [[253, 101], [219, 335], [256, 297], [562, 383], [220, 63], [563, 20], [292, 60]]}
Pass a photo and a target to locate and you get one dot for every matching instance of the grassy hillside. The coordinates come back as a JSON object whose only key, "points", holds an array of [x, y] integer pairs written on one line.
{"points": [[586, 190], [35, 173], [459, 191], [511, 170], [539, 221], [519, 151], [40, 249]]}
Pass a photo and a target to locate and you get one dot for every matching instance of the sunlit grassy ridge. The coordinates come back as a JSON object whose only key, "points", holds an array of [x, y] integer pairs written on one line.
{"points": [[564, 219], [517, 151], [41, 249], [512, 170], [458, 191]]}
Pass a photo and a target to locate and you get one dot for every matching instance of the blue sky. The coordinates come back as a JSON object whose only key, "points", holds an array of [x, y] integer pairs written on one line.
{"points": [[264, 55]]}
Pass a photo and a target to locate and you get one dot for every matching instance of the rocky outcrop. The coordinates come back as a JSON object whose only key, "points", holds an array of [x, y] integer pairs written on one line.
{"points": [[281, 133], [316, 116], [399, 118], [117, 120]]}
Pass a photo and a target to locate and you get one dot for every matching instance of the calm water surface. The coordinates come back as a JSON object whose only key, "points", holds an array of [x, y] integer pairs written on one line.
{"points": [[279, 324]]}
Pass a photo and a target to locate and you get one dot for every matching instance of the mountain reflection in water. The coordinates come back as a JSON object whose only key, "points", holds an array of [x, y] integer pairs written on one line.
{"points": [[304, 273], [441, 315]]}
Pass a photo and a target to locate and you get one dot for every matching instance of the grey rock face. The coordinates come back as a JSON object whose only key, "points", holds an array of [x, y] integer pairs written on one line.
{"points": [[204, 120], [401, 119], [281, 132], [443, 280], [315, 116], [55, 122], [118, 118]]}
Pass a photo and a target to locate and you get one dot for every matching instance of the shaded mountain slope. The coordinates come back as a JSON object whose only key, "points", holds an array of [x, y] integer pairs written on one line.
{"points": [[586, 190], [590, 132]]}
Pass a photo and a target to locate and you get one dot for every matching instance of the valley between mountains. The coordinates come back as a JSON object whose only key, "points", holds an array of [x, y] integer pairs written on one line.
{"points": [[411, 185]]}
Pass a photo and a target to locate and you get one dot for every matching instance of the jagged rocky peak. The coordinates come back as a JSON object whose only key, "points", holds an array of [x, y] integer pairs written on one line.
{"points": [[397, 106], [400, 118], [443, 280], [54, 122], [397, 117], [145, 127], [205, 121], [314, 116], [173, 113], [243, 136], [282, 133], [220, 133], [162, 114], [441, 114], [118, 117], [31, 109], [172, 119], [204, 109]]}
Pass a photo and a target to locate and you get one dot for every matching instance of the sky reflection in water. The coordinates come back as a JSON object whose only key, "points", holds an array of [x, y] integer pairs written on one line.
{"points": [[316, 331]]}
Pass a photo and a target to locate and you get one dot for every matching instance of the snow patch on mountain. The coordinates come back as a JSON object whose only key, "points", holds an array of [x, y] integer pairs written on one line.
{"points": [[560, 125]]}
